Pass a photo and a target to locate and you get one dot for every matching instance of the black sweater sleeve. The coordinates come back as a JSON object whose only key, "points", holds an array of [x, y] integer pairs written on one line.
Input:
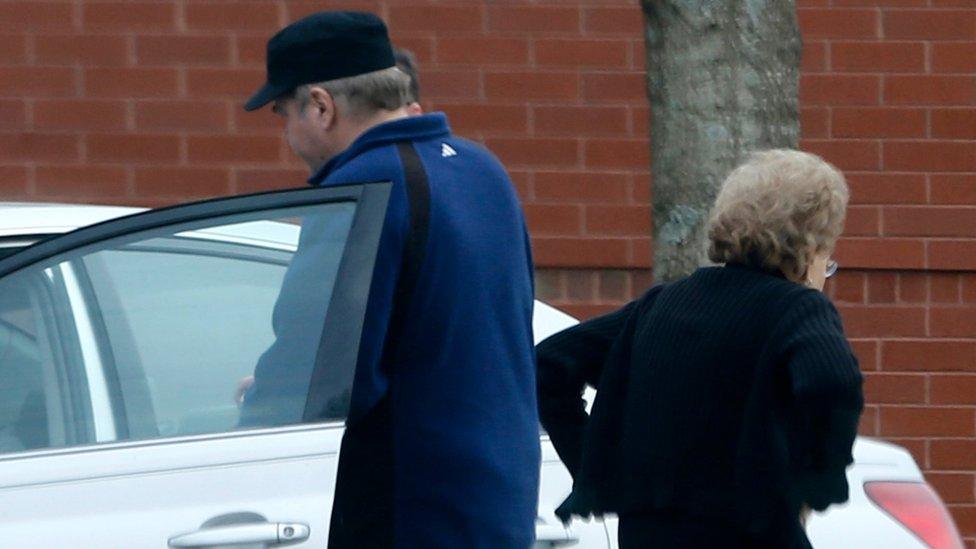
{"points": [[827, 398], [567, 362]]}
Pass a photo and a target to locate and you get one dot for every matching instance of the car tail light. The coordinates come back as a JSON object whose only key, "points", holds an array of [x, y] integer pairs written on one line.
{"points": [[918, 508]]}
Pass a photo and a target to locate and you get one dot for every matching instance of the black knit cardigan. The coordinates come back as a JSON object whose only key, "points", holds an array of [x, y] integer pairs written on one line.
{"points": [[731, 393]]}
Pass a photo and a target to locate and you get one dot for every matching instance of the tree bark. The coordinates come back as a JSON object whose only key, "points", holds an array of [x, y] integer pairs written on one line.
{"points": [[722, 79]]}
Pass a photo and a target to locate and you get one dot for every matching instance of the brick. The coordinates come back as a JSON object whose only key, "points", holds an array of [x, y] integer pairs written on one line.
{"points": [[580, 121], [953, 389], [182, 50], [550, 219], [814, 122], [617, 153], [894, 389], [581, 187], [88, 50], [454, 19], [532, 85], [615, 20], [954, 123], [641, 189], [483, 51], [422, 47], [886, 188], [618, 220], [583, 53], [586, 311], [230, 149], [945, 287], [952, 487], [868, 424], [878, 122], [248, 16], [862, 221], [839, 89], [83, 115], [133, 148], [580, 252], [35, 15], [929, 156], [13, 181], [883, 321], [181, 182], [487, 118], [535, 152], [867, 353], [35, 147], [256, 180], [550, 285], [534, 18], [13, 114], [952, 321], [929, 25], [641, 255], [81, 181], [882, 287], [37, 81], [925, 421], [614, 87], [182, 115], [880, 3], [613, 285], [881, 253], [846, 154], [581, 285], [444, 84], [954, 454], [13, 49], [849, 287], [130, 82], [877, 56], [237, 84], [296, 9], [119, 16], [965, 519], [952, 255], [838, 23], [968, 288], [953, 188], [954, 57], [251, 49], [929, 90], [929, 221], [814, 57], [913, 288]]}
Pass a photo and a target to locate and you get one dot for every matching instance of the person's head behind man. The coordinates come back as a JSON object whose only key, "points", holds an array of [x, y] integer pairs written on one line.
{"points": [[332, 76], [406, 62]]}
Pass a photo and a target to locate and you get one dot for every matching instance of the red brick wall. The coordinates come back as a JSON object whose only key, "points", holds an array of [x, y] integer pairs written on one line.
{"points": [[139, 102]]}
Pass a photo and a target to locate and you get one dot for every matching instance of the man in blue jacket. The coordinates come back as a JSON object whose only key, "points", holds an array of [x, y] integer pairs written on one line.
{"points": [[441, 446]]}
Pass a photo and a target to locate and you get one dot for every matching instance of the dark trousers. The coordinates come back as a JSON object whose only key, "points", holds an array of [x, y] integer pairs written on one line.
{"points": [[672, 530]]}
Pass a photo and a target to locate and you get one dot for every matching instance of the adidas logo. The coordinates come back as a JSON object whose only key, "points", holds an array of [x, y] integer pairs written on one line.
{"points": [[447, 150]]}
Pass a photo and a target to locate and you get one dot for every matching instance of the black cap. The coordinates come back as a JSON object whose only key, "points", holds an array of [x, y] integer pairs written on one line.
{"points": [[321, 47]]}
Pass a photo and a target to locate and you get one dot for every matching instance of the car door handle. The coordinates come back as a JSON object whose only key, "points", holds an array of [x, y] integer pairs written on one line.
{"points": [[269, 533], [553, 535]]}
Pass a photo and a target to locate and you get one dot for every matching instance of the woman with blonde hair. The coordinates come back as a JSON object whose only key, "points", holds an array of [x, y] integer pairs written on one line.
{"points": [[727, 402]]}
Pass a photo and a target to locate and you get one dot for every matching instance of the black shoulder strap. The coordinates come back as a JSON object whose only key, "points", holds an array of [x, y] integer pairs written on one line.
{"points": [[418, 198]]}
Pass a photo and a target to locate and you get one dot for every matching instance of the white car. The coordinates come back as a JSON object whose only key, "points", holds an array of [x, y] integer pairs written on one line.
{"points": [[121, 345]]}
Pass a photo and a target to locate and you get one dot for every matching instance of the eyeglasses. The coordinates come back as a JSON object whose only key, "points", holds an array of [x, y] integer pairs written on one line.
{"points": [[831, 269]]}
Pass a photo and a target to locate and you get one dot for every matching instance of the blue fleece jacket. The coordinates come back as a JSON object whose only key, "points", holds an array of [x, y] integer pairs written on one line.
{"points": [[465, 435]]}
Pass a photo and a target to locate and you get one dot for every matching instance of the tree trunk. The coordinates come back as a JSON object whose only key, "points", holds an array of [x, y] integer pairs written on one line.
{"points": [[722, 78]]}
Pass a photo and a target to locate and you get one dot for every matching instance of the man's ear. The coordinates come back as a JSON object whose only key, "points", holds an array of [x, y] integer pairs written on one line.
{"points": [[323, 105]]}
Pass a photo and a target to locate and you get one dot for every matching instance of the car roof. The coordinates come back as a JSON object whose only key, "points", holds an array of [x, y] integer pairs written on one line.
{"points": [[38, 218]]}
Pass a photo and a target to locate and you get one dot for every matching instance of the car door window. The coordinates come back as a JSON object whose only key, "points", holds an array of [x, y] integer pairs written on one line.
{"points": [[169, 325]]}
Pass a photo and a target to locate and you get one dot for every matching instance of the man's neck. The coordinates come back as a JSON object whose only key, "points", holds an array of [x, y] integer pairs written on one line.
{"points": [[353, 128]]}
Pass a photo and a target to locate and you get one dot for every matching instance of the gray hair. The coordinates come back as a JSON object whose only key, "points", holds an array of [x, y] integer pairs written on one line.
{"points": [[364, 94]]}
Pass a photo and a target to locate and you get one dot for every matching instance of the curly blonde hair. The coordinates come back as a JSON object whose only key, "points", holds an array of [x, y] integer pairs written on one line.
{"points": [[777, 210]]}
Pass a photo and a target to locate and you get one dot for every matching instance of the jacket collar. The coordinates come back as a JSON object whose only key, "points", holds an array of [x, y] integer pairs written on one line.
{"points": [[426, 126]]}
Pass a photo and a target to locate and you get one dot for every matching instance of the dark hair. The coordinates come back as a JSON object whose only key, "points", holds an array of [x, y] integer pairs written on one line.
{"points": [[407, 63]]}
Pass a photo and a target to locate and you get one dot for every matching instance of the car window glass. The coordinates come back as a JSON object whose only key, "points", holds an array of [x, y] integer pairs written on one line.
{"points": [[171, 324]]}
